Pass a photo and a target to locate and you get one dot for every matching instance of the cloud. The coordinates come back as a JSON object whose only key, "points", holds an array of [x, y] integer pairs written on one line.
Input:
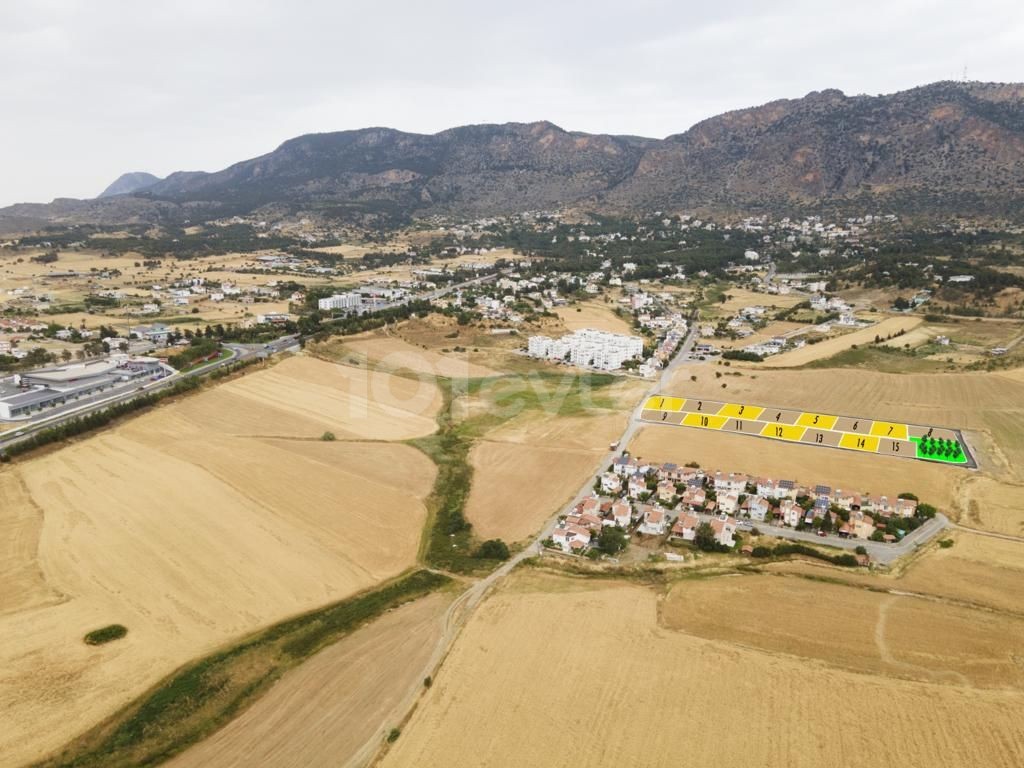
{"points": [[93, 89]]}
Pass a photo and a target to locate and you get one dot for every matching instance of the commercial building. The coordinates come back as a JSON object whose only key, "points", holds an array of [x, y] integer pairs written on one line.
{"points": [[27, 393], [351, 300]]}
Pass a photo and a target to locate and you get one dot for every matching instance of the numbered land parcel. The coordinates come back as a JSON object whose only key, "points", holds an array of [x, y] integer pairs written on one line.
{"points": [[889, 438]]}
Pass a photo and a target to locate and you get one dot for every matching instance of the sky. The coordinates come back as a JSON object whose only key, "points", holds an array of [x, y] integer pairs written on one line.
{"points": [[90, 90]]}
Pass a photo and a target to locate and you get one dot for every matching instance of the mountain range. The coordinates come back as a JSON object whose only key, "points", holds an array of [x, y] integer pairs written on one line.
{"points": [[941, 149]]}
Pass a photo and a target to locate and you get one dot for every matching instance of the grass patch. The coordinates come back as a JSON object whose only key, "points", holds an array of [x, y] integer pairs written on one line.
{"points": [[448, 542], [883, 359], [106, 634], [195, 701], [224, 354]]}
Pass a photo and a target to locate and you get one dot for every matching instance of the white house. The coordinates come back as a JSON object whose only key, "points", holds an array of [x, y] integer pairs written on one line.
{"points": [[611, 483], [791, 513], [654, 522], [620, 514], [571, 538], [636, 486], [724, 528], [756, 507], [728, 503], [686, 527], [730, 483]]}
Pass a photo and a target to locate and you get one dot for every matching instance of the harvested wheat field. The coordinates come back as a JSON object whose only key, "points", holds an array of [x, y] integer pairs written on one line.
{"points": [[190, 531], [989, 405], [527, 468], [829, 347], [806, 464], [600, 317], [325, 711], [897, 635], [304, 397], [738, 298], [395, 354], [582, 674]]}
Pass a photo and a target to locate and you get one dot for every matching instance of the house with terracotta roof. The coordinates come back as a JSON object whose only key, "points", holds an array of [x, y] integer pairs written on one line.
{"points": [[790, 512], [728, 503], [756, 507], [666, 491], [724, 528], [620, 514], [732, 482], [611, 483], [571, 538], [685, 527], [636, 486], [654, 521]]}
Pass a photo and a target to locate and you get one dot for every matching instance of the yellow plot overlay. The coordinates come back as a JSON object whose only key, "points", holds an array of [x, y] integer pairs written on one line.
{"points": [[858, 442], [659, 403], [889, 429], [735, 411], [819, 420], [702, 420], [783, 431]]}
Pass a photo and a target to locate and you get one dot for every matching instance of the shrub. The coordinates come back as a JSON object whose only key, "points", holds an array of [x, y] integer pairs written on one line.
{"points": [[328, 437], [106, 634], [393, 735], [946, 543], [492, 549]]}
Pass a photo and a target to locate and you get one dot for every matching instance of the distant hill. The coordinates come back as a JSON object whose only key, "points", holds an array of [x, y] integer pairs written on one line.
{"points": [[945, 148], [130, 182]]}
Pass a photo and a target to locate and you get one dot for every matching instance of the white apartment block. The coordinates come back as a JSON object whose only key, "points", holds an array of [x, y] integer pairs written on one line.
{"points": [[588, 348], [341, 301]]}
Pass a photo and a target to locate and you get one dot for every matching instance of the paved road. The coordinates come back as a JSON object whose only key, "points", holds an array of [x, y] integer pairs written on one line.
{"points": [[879, 551], [239, 352]]}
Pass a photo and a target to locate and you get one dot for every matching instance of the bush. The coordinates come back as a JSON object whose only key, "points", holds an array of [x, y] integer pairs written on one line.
{"points": [[328, 437], [106, 634], [860, 549], [946, 543], [393, 735], [492, 549], [612, 540], [739, 354]]}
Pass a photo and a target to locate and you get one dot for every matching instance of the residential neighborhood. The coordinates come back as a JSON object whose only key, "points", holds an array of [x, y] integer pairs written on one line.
{"points": [[671, 502]]}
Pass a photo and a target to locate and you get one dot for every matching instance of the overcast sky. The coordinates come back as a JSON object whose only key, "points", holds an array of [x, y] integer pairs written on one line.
{"points": [[91, 89]]}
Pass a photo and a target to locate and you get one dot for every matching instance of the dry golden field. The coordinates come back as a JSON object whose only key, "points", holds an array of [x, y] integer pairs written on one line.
{"points": [[741, 297], [895, 635], [192, 525], [395, 354], [558, 672], [323, 712], [526, 469], [811, 352], [988, 406], [595, 315]]}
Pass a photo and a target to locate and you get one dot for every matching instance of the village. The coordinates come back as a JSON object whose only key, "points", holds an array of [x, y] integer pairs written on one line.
{"points": [[666, 506]]}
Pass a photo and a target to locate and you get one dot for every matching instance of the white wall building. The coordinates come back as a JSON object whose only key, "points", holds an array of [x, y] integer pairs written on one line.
{"points": [[349, 300], [588, 348]]}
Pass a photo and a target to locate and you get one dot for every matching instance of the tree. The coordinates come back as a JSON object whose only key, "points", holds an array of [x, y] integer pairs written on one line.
{"points": [[492, 549], [612, 540], [704, 538], [65, 355], [826, 523]]}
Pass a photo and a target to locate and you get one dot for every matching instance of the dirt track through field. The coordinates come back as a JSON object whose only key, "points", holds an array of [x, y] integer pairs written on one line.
{"points": [[322, 712], [190, 532]]}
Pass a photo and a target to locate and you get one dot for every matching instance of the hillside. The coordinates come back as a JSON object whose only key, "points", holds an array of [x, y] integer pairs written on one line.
{"points": [[127, 183], [939, 149]]}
